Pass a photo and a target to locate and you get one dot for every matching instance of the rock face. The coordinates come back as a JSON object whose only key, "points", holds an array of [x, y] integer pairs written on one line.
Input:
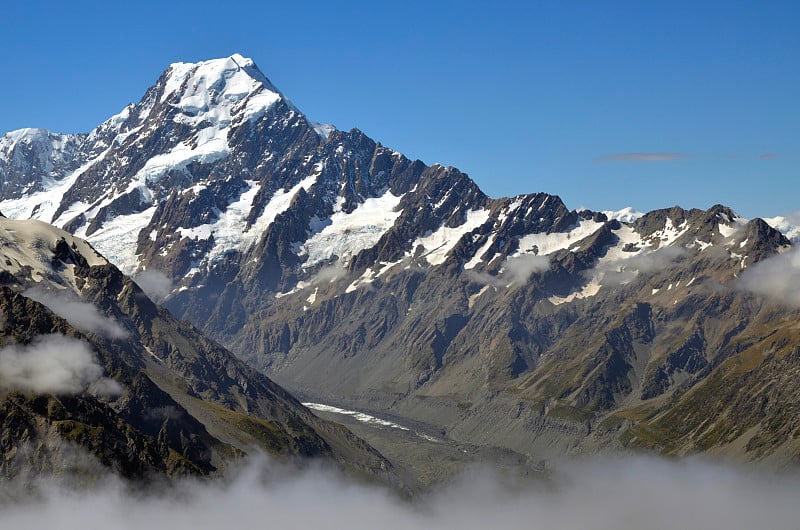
{"points": [[355, 275], [32, 159], [90, 366]]}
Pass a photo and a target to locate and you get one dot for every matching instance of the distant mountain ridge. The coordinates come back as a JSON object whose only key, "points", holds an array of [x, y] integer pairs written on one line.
{"points": [[353, 274]]}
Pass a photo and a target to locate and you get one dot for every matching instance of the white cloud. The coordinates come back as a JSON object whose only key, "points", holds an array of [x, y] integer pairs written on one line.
{"points": [[154, 283], [777, 278], [53, 364], [79, 314], [516, 270], [625, 494]]}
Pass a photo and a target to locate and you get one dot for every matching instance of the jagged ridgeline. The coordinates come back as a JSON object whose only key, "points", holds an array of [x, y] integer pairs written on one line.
{"points": [[352, 274]]}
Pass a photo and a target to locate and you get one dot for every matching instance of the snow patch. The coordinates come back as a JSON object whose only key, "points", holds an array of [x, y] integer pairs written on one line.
{"points": [[279, 203], [667, 235], [587, 291], [439, 243], [114, 242], [477, 258], [548, 243], [727, 230], [346, 234], [322, 129]]}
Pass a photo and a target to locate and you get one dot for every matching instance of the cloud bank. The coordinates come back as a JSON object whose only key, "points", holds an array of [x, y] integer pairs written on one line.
{"points": [[777, 278], [53, 364], [79, 314], [629, 494]]}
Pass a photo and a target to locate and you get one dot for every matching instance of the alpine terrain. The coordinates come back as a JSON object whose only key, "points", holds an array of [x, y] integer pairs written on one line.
{"points": [[358, 278], [91, 367]]}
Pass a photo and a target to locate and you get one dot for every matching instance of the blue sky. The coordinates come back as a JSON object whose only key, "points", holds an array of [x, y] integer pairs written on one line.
{"points": [[607, 104]]}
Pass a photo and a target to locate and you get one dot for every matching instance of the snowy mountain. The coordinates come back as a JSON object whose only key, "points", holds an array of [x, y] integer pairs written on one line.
{"points": [[353, 274], [789, 227]]}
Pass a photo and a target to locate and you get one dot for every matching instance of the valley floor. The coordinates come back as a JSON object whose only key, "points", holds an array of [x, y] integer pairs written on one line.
{"points": [[425, 456]]}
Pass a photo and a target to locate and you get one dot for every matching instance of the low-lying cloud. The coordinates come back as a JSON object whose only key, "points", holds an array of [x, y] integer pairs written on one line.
{"points": [[53, 364], [642, 157], [79, 314], [625, 494], [624, 270], [328, 274], [516, 270], [777, 278], [154, 283]]}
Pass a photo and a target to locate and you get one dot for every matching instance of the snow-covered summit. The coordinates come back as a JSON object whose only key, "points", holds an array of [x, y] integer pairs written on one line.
{"points": [[217, 121], [196, 87], [625, 215], [32, 136], [790, 227]]}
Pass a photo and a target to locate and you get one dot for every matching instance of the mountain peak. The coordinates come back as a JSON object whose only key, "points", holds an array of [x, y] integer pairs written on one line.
{"points": [[32, 133], [194, 87]]}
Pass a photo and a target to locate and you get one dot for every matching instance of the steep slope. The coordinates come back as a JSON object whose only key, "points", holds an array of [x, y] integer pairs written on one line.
{"points": [[361, 278], [90, 363], [614, 320]]}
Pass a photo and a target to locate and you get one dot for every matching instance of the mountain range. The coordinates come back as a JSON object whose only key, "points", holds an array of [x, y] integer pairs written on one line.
{"points": [[356, 277]]}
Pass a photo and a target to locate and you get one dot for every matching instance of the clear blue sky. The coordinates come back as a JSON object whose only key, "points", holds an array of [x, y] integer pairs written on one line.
{"points": [[607, 104]]}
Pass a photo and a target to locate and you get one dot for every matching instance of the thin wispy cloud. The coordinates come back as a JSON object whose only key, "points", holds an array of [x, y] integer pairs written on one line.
{"points": [[642, 157], [619, 272], [82, 315], [768, 156]]}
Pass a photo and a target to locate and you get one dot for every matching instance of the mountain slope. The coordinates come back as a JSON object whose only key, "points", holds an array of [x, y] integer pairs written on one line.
{"points": [[359, 277], [89, 362]]}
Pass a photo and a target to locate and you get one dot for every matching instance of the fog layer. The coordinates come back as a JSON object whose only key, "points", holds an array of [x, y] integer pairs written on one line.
{"points": [[625, 494]]}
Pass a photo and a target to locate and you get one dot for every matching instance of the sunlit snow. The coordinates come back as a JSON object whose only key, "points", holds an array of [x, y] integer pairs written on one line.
{"points": [[439, 243], [555, 241], [114, 241], [42, 205], [625, 215], [477, 259], [790, 227], [26, 243], [213, 94], [346, 234]]}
